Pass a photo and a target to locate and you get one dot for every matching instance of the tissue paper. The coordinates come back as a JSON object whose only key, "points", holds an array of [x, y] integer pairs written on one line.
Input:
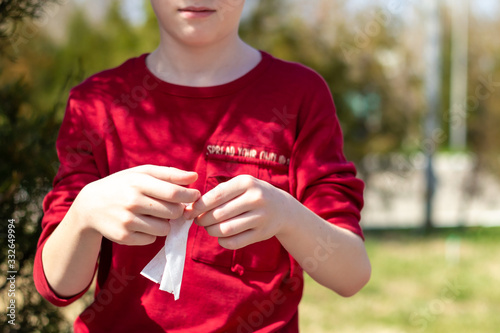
{"points": [[167, 267]]}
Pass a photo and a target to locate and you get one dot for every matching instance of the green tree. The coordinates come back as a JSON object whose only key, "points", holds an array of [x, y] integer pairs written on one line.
{"points": [[13, 12], [27, 141]]}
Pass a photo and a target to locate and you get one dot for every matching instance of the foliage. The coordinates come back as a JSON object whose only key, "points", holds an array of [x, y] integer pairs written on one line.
{"points": [[24, 178], [13, 11], [27, 137]]}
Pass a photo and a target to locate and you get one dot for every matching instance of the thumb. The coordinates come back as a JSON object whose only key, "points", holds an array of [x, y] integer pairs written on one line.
{"points": [[168, 174]]}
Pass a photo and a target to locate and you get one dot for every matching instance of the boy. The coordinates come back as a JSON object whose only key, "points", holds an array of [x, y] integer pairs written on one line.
{"points": [[248, 142]]}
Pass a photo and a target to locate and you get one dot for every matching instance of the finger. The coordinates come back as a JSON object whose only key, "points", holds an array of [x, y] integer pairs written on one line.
{"points": [[150, 225], [162, 190], [234, 226], [220, 194], [158, 208], [225, 211], [240, 240], [168, 174], [138, 239]]}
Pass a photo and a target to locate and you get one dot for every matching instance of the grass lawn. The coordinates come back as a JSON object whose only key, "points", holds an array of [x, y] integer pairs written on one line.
{"points": [[446, 282]]}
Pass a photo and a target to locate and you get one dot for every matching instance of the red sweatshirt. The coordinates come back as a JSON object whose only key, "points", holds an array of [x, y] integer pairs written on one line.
{"points": [[277, 123]]}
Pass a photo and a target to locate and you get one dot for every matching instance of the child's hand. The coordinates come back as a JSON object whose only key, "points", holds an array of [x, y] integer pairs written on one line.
{"points": [[241, 211], [132, 207]]}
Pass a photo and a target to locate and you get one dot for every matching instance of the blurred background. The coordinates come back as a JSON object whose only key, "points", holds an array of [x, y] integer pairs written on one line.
{"points": [[417, 90]]}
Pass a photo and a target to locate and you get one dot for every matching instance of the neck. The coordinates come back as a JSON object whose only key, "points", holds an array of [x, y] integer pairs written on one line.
{"points": [[201, 66]]}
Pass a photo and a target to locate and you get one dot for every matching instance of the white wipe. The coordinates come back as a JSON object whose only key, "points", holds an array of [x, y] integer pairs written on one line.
{"points": [[167, 267]]}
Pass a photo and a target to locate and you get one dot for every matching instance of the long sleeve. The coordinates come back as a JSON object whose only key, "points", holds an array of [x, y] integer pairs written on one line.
{"points": [[321, 178], [77, 168]]}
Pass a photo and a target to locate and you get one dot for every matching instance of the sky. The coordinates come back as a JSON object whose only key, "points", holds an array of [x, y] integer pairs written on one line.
{"points": [[486, 8]]}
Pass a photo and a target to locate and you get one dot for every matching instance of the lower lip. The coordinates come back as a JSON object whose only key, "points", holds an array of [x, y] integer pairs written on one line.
{"points": [[193, 14]]}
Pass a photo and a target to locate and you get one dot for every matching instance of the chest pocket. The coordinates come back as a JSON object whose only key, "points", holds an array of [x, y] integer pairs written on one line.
{"points": [[263, 256]]}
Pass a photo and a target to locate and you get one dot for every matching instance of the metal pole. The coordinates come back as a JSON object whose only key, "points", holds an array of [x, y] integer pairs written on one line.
{"points": [[458, 87], [432, 55]]}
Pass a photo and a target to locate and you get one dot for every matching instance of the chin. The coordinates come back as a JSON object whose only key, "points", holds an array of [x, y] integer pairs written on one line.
{"points": [[196, 42], [197, 38]]}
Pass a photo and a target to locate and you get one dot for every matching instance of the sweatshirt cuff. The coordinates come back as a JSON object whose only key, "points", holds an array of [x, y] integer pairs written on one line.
{"points": [[43, 287], [348, 223]]}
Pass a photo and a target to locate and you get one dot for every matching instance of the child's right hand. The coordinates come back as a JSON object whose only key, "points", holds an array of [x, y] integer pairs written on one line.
{"points": [[133, 206]]}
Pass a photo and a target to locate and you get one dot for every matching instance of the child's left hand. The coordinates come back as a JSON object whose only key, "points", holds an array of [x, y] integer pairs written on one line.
{"points": [[242, 211], [245, 210]]}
